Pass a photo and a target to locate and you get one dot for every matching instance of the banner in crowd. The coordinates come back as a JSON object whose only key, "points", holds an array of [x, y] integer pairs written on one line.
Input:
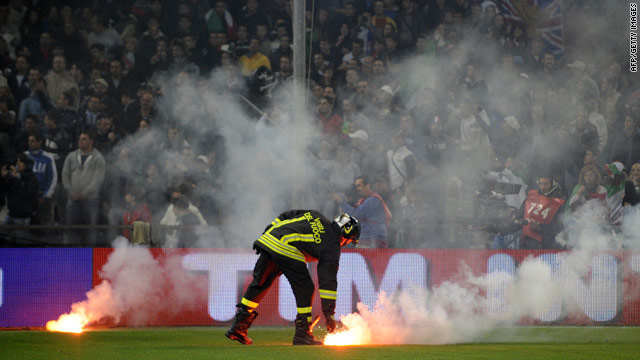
{"points": [[202, 286]]}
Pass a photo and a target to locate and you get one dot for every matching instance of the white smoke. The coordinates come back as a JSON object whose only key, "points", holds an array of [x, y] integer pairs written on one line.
{"points": [[461, 310], [137, 287]]}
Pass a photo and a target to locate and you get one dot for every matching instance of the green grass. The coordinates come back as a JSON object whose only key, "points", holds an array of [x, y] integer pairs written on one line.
{"points": [[273, 343]]}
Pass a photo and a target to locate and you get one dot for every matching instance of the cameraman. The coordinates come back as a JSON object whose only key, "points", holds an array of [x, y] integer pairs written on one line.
{"points": [[540, 219]]}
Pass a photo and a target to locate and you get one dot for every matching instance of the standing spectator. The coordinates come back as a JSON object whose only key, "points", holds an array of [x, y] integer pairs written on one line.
{"points": [[136, 210], [219, 19], [82, 175], [69, 119], [283, 50], [60, 81], [374, 214], [588, 189], [170, 217], [632, 187], [42, 55], [251, 16], [21, 142], [21, 188], [401, 163], [625, 146], [328, 122], [74, 42], [19, 79], [117, 82], [100, 34], [253, 59], [367, 155], [37, 103], [57, 141], [45, 170], [106, 137], [582, 136], [89, 117]]}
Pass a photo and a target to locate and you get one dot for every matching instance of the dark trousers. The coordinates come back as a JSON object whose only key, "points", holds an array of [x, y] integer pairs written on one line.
{"points": [[267, 271]]}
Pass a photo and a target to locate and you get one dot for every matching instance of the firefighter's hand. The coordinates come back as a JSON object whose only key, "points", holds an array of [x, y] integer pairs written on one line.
{"points": [[335, 197], [331, 324]]}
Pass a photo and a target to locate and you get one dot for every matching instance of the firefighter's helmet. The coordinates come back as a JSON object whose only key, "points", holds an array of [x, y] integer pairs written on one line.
{"points": [[349, 227]]}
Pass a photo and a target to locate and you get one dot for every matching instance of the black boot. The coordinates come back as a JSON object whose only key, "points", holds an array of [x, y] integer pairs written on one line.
{"points": [[303, 335], [241, 323]]}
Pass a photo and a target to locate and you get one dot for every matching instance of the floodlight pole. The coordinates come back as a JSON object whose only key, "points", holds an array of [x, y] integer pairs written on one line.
{"points": [[299, 94]]}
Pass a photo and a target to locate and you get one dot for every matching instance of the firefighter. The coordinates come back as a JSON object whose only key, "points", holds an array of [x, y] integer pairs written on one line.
{"points": [[294, 238]]}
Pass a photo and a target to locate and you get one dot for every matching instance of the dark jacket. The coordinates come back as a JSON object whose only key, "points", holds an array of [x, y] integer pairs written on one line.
{"points": [[304, 236], [22, 194]]}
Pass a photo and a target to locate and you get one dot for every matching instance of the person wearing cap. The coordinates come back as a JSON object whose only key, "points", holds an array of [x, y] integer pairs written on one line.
{"points": [[367, 155]]}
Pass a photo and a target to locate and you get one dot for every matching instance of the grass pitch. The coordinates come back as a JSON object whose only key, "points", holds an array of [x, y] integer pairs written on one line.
{"points": [[274, 343]]}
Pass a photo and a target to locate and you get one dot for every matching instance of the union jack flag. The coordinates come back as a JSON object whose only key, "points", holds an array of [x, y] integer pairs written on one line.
{"points": [[540, 17]]}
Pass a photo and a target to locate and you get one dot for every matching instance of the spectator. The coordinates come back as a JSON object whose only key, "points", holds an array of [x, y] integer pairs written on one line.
{"points": [[100, 34], [19, 79], [21, 189], [632, 187], [171, 217], [588, 192], [219, 19], [82, 175], [625, 146], [374, 214], [37, 103], [253, 59], [60, 81], [57, 141], [136, 210], [401, 163], [327, 121], [45, 170]]}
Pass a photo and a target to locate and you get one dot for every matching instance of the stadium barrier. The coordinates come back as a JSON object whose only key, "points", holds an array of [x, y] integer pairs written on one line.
{"points": [[202, 286]]}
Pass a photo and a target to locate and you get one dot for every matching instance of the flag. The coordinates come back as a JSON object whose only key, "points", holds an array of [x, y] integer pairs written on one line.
{"points": [[541, 18]]}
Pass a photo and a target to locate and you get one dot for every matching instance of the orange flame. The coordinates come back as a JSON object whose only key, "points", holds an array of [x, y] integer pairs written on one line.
{"points": [[357, 334], [73, 323]]}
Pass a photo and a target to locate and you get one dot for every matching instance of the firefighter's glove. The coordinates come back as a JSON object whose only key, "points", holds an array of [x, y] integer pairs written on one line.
{"points": [[331, 324]]}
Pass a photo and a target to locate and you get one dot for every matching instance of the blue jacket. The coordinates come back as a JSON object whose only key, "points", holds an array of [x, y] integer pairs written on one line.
{"points": [[372, 217], [44, 168]]}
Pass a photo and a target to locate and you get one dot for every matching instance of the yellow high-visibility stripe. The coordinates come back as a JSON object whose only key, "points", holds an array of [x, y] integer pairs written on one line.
{"points": [[249, 303], [284, 222], [276, 247], [282, 245], [297, 237], [304, 310], [274, 222], [328, 294]]}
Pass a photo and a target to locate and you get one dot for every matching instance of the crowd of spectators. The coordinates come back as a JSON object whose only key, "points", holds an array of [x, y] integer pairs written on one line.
{"points": [[445, 111]]}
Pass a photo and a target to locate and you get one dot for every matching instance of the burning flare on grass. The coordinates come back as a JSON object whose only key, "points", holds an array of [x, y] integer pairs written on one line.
{"points": [[96, 306], [73, 323]]}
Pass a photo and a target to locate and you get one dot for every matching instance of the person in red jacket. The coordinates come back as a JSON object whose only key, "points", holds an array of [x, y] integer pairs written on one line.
{"points": [[135, 211]]}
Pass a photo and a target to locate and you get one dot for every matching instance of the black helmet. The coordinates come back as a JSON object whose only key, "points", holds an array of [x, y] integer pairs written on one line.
{"points": [[349, 227]]}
